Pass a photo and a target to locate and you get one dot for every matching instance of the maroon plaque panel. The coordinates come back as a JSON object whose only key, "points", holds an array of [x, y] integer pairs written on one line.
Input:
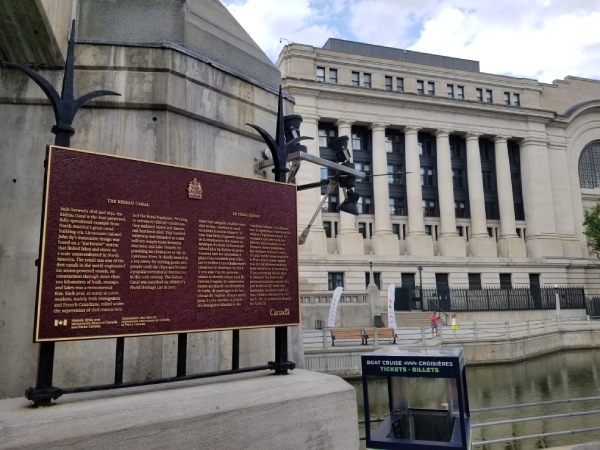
{"points": [[133, 247]]}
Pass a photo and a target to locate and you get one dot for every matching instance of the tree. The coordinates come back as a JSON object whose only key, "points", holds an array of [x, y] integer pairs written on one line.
{"points": [[591, 224]]}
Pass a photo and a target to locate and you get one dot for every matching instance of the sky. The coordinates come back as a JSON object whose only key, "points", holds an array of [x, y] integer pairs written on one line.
{"points": [[543, 40]]}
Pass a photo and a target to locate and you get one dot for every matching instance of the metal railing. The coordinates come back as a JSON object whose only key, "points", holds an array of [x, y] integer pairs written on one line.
{"points": [[473, 331], [499, 299], [535, 418]]}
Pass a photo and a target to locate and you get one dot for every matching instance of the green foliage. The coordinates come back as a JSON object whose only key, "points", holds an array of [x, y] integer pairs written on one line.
{"points": [[591, 224]]}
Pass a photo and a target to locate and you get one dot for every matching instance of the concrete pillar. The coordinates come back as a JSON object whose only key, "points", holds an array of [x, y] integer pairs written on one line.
{"points": [[417, 242], [510, 245], [349, 240], [542, 239], [384, 242], [450, 243], [480, 243], [309, 199], [561, 192]]}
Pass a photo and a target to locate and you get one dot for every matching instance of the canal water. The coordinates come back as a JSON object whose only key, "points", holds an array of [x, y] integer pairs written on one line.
{"points": [[559, 376]]}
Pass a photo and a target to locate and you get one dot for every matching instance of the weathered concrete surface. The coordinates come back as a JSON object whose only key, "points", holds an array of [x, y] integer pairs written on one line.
{"points": [[177, 106], [254, 411]]}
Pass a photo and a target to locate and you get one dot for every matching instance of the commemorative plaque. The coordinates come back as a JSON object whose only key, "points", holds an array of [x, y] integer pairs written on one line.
{"points": [[134, 247]]}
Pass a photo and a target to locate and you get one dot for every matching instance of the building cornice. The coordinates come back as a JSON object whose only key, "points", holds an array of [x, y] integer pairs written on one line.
{"points": [[343, 93]]}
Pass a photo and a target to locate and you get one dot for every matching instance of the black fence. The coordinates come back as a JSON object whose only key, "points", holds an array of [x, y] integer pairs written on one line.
{"points": [[592, 307], [491, 299]]}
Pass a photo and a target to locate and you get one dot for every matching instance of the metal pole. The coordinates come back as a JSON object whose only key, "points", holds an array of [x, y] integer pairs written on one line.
{"points": [[420, 268]]}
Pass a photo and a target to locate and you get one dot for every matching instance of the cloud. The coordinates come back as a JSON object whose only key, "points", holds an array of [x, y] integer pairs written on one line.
{"points": [[540, 39], [269, 21]]}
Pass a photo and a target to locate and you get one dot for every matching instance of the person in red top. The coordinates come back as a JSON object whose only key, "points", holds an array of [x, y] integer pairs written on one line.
{"points": [[434, 325]]}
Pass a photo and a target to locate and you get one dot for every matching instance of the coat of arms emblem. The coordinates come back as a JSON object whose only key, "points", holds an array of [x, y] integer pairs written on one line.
{"points": [[195, 189]]}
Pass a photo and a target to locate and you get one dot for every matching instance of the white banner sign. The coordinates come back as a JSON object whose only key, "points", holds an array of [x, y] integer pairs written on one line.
{"points": [[391, 313], [337, 294]]}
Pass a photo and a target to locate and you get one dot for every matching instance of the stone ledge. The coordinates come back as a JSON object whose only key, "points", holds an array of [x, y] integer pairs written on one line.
{"points": [[252, 411]]}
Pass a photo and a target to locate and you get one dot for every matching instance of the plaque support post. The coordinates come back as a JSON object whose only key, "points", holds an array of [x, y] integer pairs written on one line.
{"points": [[280, 148], [65, 107]]}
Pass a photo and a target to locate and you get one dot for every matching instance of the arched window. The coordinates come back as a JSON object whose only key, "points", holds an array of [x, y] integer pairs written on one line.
{"points": [[589, 166]]}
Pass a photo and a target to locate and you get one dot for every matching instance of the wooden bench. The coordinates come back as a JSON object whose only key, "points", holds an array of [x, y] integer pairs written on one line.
{"points": [[382, 333], [348, 334]]}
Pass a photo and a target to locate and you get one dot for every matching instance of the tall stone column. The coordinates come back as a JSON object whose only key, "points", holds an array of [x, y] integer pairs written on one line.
{"points": [[480, 243], [510, 244], [384, 242], [316, 243], [349, 240], [417, 242], [542, 239], [562, 194], [450, 243]]}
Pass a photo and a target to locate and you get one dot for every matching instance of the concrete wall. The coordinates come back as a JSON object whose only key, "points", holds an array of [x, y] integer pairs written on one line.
{"points": [[258, 411], [176, 107]]}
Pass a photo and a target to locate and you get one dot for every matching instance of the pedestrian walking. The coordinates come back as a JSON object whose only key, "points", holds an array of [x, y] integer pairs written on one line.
{"points": [[454, 323], [433, 318]]}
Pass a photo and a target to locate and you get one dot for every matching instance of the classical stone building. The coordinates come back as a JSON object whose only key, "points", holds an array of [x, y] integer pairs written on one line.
{"points": [[487, 175]]}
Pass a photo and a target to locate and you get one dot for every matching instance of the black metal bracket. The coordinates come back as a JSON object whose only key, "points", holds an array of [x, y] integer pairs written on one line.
{"points": [[65, 107]]}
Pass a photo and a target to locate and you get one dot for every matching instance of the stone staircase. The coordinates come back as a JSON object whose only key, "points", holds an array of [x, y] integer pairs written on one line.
{"points": [[410, 319]]}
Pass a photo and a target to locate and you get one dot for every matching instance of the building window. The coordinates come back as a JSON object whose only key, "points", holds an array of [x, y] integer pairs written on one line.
{"points": [[400, 84], [376, 279], [507, 98], [428, 230], [364, 205], [474, 281], [325, 135], [356, 142], [486, 152], [367, 81], [427, 176], [491, 211], [396, 207], [362, 229], [589, 166], [488, 180], [517, 99], [333, 76], [420, 89], [505, 281], [479, 94], [488, 96], [355, 79], [457, 147], [321, 74], [430, 88], [327, 228], [388, 83], [450, 88], [362, 167], [396, 229], [426, 147], [335, 280], [394, 174], [460, 231], [460, 94], [323, 173], [458, 178], [460, 209], [330, 204], [429, 208]]}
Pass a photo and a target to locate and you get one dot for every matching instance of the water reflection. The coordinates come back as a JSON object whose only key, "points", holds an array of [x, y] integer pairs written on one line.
{"points": [[565, 375]]}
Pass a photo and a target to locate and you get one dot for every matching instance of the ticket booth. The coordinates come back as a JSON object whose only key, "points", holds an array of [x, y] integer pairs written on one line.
{"points": [[427, 396]]}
